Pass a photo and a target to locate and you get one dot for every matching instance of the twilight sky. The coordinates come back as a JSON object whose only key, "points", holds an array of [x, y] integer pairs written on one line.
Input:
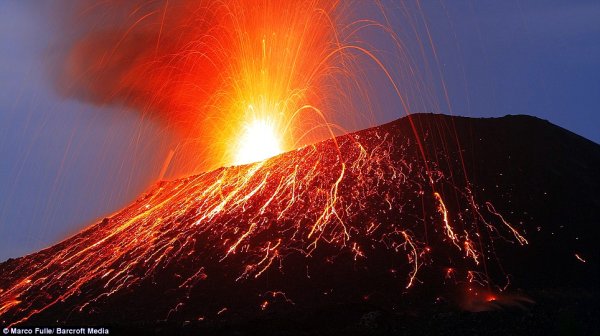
{"points": [[65, 163]]}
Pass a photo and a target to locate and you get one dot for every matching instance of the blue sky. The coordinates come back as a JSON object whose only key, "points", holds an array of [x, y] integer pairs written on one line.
{"points": [[66, 163], [523, 57]]}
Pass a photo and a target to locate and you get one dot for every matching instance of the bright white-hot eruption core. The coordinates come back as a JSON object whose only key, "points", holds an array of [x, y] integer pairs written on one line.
{"points": [[258, 142]]}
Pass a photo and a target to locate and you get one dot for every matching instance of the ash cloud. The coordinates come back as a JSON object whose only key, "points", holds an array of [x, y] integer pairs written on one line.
{"points": [[156, 57]]}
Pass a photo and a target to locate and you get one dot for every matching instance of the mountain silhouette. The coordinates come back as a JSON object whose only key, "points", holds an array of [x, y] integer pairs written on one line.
{"points": [[427, 211]]}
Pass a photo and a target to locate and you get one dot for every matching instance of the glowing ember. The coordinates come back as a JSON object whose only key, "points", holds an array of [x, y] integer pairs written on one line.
{"points": [[259, 142]]}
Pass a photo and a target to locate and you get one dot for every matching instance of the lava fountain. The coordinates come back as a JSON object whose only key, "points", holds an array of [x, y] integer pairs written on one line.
{"points": [[215, 70], [240, 82], [259, 142]]}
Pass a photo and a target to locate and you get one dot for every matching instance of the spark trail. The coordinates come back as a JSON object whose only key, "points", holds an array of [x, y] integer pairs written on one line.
{"points": [[344, 202]]}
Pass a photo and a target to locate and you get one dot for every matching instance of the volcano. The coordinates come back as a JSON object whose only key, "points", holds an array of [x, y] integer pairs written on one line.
{"points": [[429, 215]]}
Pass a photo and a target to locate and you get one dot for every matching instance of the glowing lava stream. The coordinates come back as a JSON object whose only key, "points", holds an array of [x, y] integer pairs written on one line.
{"points": [[355, 201], [363, 194]]}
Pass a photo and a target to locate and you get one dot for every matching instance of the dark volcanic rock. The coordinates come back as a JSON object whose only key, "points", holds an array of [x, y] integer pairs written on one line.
{"points": [[345, 236]]}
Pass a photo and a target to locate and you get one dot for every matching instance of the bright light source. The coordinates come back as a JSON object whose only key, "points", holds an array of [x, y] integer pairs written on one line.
{"points": [[258, 142]]}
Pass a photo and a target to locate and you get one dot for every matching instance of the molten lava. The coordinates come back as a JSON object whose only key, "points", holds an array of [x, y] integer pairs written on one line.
{"points": [[360, 209], [259, 141]]}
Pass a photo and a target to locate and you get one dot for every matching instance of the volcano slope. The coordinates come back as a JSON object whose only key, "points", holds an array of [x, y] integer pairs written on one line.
{"points": [[410, 218]]}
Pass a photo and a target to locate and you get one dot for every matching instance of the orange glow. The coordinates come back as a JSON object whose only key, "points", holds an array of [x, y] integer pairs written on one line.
{"points": [[250, 218], [491, 297], [447, 228], [258, 142], [217, 73], [197, 67], [242, 82], [275, 61]]}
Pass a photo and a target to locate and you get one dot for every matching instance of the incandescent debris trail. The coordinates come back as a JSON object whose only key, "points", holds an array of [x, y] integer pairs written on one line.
{"points": [[337, 221]]}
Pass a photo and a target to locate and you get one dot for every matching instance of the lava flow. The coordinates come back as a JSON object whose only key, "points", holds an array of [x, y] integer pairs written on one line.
{"points": [[343, 219]]}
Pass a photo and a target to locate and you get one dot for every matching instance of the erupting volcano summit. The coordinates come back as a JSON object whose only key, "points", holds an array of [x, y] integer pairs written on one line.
{"points": [[379, 217]]}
